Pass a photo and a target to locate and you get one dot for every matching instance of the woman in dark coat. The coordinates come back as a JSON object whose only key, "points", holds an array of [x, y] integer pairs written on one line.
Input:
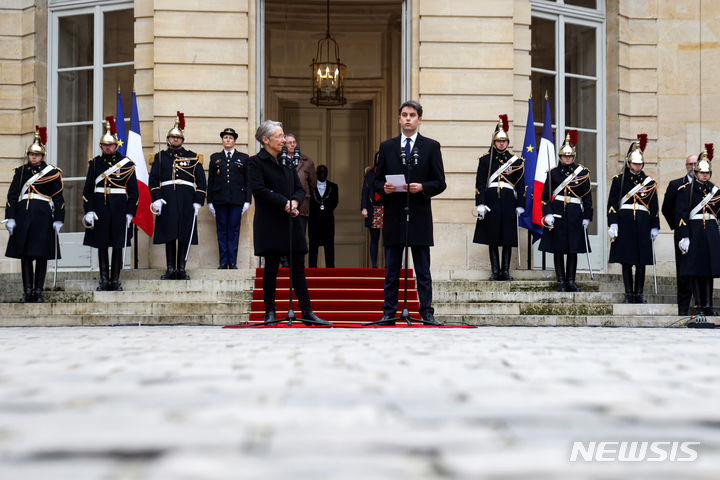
{"points": [[278, 192], [633, 217], [372, 210], [35, 207]]}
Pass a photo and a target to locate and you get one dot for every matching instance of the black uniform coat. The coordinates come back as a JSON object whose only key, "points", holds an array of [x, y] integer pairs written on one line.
{"points": [[110, 228], [633, 245], [228, 180], [33, 236], [669, 204], [321, 223], [499, 227], [703, 256], [567, 234], [367, 196], [429, 171], [175, 221], [272, 186]]}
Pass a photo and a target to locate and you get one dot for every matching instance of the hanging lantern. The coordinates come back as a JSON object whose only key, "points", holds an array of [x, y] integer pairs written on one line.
{"points": [[328, 71]]}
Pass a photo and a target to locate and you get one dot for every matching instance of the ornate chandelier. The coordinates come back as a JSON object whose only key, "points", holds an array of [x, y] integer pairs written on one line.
{"points": [[328, 71]]}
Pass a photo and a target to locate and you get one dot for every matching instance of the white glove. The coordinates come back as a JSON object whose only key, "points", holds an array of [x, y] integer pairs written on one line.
{"points": [[212, 209], [90, 218], [586, 222], [10, 225], [246, 205], [549, 220], [129, 218], [613, 230], [157, 206], [654, 233], [519, 210], [57, 226], [684, 245], [481, 210], [197, 207]]}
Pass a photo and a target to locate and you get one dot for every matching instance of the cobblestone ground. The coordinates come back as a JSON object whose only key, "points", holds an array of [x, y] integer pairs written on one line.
{"points": [[206, 403]]}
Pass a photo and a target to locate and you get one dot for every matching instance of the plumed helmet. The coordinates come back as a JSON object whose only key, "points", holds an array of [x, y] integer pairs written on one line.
{"points": [[110, 135], [38, 144], [568, 148], [501, 129], [635, 152], [177, 130], [704, 164]]}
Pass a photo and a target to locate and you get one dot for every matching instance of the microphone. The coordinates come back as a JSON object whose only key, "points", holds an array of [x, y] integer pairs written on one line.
{"points": [[403, 159], [284, 156], [296, 156], [415, 156]]}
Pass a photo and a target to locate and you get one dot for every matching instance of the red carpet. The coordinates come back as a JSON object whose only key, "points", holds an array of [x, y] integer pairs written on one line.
{"points": [[347, 297]]}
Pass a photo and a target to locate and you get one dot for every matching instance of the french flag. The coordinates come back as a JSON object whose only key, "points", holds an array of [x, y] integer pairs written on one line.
{"points": [[143, 218], [545, 161]]}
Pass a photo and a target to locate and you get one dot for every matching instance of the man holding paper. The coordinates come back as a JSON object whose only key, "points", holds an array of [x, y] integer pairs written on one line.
{"points": [[426, 179]]}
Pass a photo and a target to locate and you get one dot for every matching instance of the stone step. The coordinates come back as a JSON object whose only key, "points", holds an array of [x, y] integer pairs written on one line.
{"points": [[563, 320], [106, 319], [513, 286], [157, 285], [550, 309], [127, 308]]}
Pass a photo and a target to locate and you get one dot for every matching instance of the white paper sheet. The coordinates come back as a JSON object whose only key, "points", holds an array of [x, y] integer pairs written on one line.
{"points": [[397, 180]]}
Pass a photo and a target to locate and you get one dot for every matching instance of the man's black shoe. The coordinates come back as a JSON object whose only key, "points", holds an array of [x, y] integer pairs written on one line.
{"points": [[222, 266], [315, 319], [386, 321], [430, 320], [168, 275], [232, 267], [270, 318]]}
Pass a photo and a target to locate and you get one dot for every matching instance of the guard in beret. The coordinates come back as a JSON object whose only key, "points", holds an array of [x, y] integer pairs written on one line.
{"points": [[34, 215], [633, 217], [499, 199], [110, 199], [567, 212], [228, 196], [697, 210], [177, 189]]}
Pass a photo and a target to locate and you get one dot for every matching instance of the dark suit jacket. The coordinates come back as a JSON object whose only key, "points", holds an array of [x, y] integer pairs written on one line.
{"points": [[228, 181], [429, 171], [669, 201]]}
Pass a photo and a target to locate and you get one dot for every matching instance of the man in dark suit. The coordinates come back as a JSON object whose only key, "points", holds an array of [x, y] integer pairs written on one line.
{"points": [[323, 201], [425, 180], [228, 196], [684, 285]]}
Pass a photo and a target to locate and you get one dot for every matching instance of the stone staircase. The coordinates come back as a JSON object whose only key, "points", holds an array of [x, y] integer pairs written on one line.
{"points": [[223, 297]]}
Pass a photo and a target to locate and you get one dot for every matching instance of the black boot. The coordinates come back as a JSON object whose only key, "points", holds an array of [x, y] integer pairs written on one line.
{"points": [[270, 318], [560, 272], [494, 262], [40, 271], [505, 270], [698, 289], [309, 315], [181, 273], [708, 308], [26, 267], [639, 284], [104, 265], [170, 256], [628, 283], [570, 272], [117, 261]]}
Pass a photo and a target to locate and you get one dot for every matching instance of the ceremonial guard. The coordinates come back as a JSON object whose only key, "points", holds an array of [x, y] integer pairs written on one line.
{"points": [[633, 220], [110, 199], [34, 213], [499, 200], [228, 196], [177, 189], [567, 212], [697, 210], [321, 229]]}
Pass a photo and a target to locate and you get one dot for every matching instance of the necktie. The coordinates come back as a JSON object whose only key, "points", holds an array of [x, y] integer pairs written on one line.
{"points": [[407, 148], [229, 156]]}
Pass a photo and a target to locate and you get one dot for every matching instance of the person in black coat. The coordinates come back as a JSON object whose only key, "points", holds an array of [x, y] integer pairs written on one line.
{"points": [[177, 189], [696, 211], [110, 199], [499, 199], [278, 192], [425, 179], [323, 201], [34, 214], [567, 212], [372, 210], [684, 283], [633, 217], [228, 196]]}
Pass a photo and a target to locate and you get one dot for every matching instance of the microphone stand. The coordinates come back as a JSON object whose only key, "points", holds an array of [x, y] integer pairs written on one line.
{"points": [[405, 315]]}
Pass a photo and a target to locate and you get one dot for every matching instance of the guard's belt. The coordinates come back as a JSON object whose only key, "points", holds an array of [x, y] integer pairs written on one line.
{"points": [[634, 206], [503, 185], [109, 190], [568, 199], [36, 196], [177, 182], [703, 216]]}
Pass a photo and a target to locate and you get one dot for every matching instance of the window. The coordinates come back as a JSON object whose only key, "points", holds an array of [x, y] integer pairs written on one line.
{"points": [[91, 57]]}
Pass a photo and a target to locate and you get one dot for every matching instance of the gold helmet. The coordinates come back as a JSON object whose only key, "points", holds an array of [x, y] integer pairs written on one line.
{"points": [[635, 152], [110, 136], [568, 148], [703, 164], [177, 130], [38, 145], [501, 129]]}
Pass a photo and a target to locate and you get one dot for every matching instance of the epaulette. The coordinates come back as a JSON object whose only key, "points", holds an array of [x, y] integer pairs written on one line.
{"points": [[151, 158], [484, 154], [616, 176], [58, 169], [200, 158], [521, 158], [682, 186]]}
